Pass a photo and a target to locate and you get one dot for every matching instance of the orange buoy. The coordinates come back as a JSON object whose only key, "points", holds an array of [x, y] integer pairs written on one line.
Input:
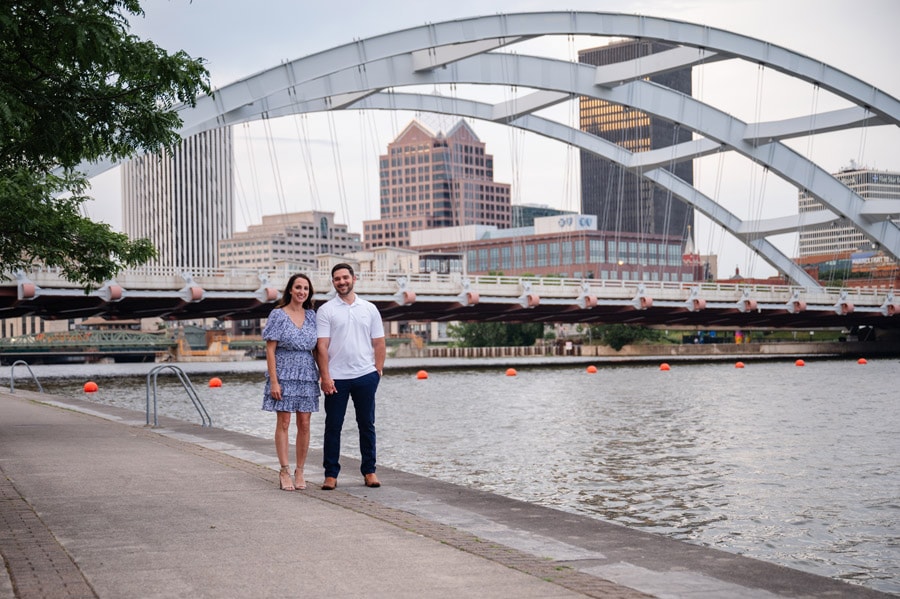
{"points": [[90, 387], [799, 363], [421, 375], [862, 361], [739, 365], [511, 372], [664, 366], [215, 382], [591, 369]]}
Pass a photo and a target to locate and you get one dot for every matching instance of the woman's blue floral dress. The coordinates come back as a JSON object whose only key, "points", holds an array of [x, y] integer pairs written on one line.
{"points": [[294, 363]]}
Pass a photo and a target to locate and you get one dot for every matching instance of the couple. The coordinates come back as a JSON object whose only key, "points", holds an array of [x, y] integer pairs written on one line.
{"points": [[344, 345]]}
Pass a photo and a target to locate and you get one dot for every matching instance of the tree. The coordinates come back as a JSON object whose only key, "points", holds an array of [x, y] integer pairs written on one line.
{"points": [[76, 87], [618, 336], [495, 334]]}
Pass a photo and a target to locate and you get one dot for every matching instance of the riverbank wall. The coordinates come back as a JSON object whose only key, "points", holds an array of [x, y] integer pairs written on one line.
{"points": [[717, 351]]}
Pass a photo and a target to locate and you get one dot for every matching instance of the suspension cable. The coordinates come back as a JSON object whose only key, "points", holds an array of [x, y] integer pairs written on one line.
{"points": [[300, 127], [273, 161], [339, 173]]}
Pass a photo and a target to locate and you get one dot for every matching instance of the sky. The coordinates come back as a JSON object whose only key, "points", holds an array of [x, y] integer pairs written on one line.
{"points": [[240, 38]]}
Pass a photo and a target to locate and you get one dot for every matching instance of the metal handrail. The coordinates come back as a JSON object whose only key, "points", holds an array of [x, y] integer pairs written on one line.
{"points": [[12, 376], [188, 387]]}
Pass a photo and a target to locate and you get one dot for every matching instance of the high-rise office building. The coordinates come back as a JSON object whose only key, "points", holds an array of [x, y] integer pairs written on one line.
{"points": [[434, 180], [830, 239], [183, 202], [623, 201], [293, 239]]}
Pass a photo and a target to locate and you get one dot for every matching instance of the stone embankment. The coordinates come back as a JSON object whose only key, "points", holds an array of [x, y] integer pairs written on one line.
{"points": [[716, 351]]}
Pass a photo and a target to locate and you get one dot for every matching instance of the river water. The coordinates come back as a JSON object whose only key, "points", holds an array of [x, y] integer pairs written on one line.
{"points": [[797, 466]]}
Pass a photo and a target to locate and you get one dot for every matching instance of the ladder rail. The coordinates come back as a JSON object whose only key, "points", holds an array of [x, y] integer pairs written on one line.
{"points": [[185, 381], [12, 376]]}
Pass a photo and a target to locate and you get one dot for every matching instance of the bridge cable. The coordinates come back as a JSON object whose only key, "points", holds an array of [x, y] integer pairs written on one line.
{"points": [[302, 131], [754, 202], [366, 164], [273, 161], [810, 137], [254, 176], [568, 256], [713, 228], [375, 151], [335, 153], [240, 191], [863, 136]]}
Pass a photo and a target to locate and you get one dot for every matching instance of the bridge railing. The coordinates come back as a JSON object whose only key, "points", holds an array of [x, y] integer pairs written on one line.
{"points": [[267, 285]]}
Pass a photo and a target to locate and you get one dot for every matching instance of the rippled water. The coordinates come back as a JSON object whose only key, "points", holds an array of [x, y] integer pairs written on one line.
{"points": [[797, 466]]}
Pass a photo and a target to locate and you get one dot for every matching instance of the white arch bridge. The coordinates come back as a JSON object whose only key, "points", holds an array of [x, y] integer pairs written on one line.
{"points": [[235, 294], [388, 72]]}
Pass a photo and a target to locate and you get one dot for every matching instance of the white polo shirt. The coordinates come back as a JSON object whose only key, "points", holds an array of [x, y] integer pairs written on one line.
{"points": [[350, 328]]}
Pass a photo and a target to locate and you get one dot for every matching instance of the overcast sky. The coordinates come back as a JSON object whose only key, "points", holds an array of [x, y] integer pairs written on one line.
{"points": [[240, 38]]}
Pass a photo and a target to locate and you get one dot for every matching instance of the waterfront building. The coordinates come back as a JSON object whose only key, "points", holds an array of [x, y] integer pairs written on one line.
{"points": [[30, 325], [623, 201], [289, 241], [568, 246], [853, 269], [183, 202], [430, 180], [841, 254]]}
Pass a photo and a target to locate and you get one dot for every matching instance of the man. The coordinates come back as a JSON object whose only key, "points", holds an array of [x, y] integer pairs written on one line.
{"points": [[350, 354]]}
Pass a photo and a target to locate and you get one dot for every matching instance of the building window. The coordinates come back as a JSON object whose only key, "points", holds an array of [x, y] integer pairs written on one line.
{"points": [[495, 258], [566, 252], [542, 254], [554, 254], [596, 251]]}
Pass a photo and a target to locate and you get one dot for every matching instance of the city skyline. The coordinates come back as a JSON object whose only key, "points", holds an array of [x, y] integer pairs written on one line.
{"points": [[540, 171]]}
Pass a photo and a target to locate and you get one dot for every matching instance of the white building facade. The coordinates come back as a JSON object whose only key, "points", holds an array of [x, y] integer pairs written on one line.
{"points": [[829, 239], [184, 202], [290, 240]]}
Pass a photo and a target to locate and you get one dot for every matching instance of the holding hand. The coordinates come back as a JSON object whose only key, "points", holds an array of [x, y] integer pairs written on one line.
{"points": [[328, 387]]}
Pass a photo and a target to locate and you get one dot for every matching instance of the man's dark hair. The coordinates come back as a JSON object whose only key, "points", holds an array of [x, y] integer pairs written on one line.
{"points": [[338, 267]]}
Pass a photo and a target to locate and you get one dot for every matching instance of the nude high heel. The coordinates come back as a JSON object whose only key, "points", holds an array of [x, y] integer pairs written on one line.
{"points": [[285, 475]]}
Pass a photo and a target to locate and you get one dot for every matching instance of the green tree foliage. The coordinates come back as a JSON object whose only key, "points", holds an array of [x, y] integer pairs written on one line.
{"points": [[495, 334], [75, 87], [618, 336]]}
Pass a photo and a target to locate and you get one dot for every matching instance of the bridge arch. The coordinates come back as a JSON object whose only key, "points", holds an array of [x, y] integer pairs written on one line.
{"points": [[364, 73]]}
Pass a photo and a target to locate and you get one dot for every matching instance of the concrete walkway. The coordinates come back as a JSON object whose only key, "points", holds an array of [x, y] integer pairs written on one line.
{"points": [[95, 504]]}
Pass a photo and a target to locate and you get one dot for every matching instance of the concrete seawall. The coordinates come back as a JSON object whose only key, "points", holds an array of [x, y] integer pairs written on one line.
{"points": [[700, 351]]}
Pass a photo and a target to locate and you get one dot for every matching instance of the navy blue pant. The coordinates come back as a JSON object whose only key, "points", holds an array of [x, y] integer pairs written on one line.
{"points": [[362, 391]]}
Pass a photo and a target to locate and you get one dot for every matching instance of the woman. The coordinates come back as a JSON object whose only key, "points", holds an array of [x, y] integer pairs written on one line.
{"points": [[292, 379]]}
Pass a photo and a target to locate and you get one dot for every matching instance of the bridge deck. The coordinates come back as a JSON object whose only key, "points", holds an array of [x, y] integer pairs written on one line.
{"points": [[235, 294]]}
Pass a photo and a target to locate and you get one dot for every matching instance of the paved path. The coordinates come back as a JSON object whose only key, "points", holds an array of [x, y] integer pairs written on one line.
{"points": [[95, 504]]}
